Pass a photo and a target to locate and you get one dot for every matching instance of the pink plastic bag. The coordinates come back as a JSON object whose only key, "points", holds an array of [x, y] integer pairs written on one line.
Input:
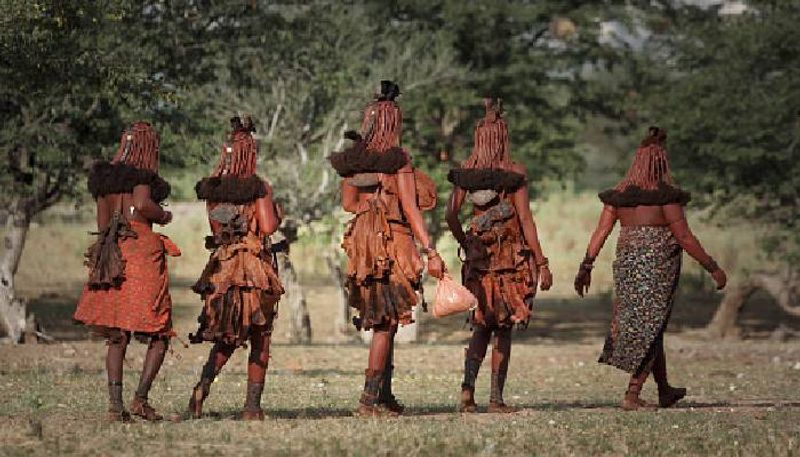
{"points": [[452, 298]]}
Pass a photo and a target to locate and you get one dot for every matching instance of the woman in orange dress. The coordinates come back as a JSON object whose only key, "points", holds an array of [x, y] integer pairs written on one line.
{"points": [[239, 286], [504, 259], [128, 289], [653, 236], [384, 269]]}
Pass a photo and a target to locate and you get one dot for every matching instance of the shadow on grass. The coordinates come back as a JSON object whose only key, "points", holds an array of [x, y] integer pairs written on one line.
{"points": [[737, 404], [447, 409], [546, 406], [270, 413], [574, 320], [316, 373]]}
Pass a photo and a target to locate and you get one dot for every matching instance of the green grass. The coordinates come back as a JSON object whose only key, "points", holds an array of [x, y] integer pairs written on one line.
{"points": [[742, 402]]}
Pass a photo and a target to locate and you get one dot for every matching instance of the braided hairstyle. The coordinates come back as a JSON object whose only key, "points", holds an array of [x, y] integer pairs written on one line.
{"points": [[382, 124], [238, 156], [650, 166], [491, 148], [138, 147]]}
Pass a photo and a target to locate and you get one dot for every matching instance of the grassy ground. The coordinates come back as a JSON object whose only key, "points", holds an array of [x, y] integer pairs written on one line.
{"points": [[743, 396], [743, 401]]}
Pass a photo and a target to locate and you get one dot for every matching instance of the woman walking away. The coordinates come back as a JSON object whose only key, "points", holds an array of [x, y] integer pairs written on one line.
{"points": [[384, 270], [128, 289], [504, 259], [239, 285], [654, 233]]}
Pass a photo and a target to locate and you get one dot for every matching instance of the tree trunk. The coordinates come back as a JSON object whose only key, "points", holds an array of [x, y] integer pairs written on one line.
{"points": [[781, 286], [724, 323], [343, 324], [12, 309], [295, 300]]}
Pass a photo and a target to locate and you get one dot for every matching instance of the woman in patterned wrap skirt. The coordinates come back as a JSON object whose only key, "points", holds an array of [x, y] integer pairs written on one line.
{"points": [[653, 236]]}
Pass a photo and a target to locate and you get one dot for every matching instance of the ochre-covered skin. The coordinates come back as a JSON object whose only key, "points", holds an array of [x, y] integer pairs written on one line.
{"points": [[384, 268], [137, 302], [501, 270], [239, 286], [141, 303], [654, 233], [503, 256]]}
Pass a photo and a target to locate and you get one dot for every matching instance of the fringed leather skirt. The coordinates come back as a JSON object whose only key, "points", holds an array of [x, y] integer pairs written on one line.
{"points": [[240, 290], [383, 268], [498, 270]]}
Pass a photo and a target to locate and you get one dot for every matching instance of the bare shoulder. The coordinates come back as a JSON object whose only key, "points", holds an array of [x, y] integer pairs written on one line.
{"points": [[672, 212], [267, 185], [519, 168]]}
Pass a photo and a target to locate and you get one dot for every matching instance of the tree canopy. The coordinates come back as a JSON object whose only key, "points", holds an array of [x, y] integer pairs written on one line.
{"points": [[727, 90]]}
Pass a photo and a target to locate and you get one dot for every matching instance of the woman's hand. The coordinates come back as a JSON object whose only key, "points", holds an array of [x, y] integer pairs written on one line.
{"points": [[436, 267], [583, 280], [584, 277], [720, 278], [166, 219], [545, 278]]}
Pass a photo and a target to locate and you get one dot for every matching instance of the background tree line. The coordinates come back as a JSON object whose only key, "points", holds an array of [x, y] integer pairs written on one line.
{"points": [[73, 74]]}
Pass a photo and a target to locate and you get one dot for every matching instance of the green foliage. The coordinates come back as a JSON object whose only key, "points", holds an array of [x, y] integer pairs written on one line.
{"points": [[74, 73], [305, 79], [727, 90], [58, 97], [530, 54]]}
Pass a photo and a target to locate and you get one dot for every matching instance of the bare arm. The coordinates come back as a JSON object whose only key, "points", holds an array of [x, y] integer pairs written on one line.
{"points": [[522, 205], [102, 213], [454, 204], [407, 192], [683, 234], [215, 226], [349, 197], [147, 208], [608, 218], [265, 214]]}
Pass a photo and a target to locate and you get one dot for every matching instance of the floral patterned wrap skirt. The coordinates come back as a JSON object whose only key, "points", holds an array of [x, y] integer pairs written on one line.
{"points": [[646, 273]]}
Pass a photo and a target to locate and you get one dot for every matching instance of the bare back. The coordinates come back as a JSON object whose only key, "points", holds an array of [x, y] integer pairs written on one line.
{"points": [[108, 204], [642, 215]]}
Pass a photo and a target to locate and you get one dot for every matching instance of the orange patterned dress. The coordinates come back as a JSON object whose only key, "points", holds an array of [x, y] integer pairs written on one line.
{"points": [[141, 303]]}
